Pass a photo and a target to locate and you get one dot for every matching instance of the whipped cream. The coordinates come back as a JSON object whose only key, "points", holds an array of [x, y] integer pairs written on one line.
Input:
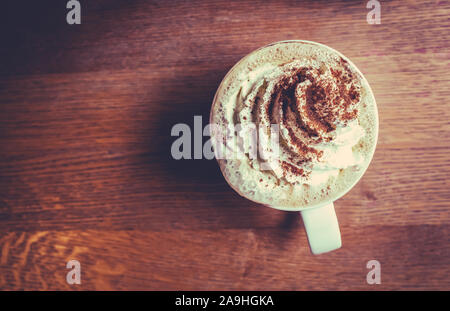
{"points": [[315, 105]]}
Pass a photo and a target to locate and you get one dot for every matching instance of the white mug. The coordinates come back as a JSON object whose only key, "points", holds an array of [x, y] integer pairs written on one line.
{"points": [[321, 224]]}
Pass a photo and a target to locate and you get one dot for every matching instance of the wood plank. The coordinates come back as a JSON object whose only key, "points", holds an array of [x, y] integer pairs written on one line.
{"points": [[264, 259]]}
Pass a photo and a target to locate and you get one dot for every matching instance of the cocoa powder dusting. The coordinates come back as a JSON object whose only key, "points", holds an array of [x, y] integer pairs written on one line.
{"points": [[317, 109]]}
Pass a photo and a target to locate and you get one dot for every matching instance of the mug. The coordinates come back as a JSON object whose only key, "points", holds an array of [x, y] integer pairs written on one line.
{"points": [[320, 221]]}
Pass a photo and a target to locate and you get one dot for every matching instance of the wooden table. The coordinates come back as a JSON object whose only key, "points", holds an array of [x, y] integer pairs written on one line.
{"points": [[86, 171]]}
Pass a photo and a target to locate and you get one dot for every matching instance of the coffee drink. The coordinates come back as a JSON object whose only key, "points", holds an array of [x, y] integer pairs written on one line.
{"points": [[324, 110]]}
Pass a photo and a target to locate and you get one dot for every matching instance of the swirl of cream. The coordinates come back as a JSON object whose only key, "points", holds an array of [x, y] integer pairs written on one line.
{"points": [[315, 106]]}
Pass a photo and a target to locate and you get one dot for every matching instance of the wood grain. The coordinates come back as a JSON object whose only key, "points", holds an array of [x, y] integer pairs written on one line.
{"points": [[85, 166]]}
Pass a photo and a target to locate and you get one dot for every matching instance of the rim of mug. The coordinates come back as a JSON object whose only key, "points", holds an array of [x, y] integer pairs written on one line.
{"points": [[376, 121]]}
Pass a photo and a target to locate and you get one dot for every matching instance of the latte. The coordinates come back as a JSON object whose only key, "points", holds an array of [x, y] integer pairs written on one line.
{"points": [[326, 115]]}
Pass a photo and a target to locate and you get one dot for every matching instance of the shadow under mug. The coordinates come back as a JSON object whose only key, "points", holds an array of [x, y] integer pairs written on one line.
{"points": [[321, 224]]}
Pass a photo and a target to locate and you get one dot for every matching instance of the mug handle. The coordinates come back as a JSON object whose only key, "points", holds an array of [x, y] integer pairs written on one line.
{"points": [[322, 228]]}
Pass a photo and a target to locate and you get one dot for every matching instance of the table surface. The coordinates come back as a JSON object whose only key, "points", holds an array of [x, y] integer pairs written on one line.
{"points": [[85, 166]]}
